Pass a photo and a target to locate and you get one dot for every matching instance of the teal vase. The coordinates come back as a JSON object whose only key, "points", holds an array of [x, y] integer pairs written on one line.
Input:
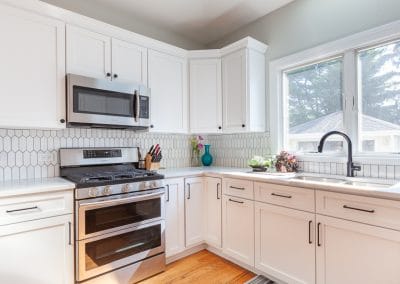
{"points": [[207, 159]]}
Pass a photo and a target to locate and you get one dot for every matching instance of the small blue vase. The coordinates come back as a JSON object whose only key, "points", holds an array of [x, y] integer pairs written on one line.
{"points": [[207, 159]]}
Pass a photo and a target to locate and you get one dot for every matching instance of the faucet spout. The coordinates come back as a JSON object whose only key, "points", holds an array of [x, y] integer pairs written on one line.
{"points": [[351, 168]]}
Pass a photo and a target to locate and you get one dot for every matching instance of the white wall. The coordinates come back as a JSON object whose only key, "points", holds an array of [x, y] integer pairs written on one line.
{"points": [[306, 23], [123, 20]]}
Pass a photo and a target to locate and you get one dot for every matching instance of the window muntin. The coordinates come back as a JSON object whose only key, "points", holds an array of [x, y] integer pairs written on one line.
{"points": [[314, 105], [379, 93]]}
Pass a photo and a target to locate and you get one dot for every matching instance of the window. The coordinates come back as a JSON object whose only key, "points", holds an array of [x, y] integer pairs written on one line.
{"points": [[379, 90], [314, 105]]}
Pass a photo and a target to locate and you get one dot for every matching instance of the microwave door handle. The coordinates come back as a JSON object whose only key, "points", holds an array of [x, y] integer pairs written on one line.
{"points": [[137, 116]]}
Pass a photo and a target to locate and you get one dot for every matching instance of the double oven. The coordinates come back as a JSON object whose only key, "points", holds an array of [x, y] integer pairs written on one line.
{"points": [[120, 236]]}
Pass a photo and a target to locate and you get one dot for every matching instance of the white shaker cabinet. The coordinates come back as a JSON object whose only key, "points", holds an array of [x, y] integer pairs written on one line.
{"points": [[238, 228], [32, 77], [175, 216], [243, 88], [285, 243], [129, 62], [38, 252], [167, 79], [205, 95], [194, 210], [350, 252], [213, 211], [96, 55]]}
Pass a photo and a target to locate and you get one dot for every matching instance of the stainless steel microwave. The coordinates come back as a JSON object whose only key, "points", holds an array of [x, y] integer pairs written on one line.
{"points": [[103, 103]]}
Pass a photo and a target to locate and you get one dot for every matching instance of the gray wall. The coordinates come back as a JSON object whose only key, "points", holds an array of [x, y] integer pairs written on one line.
{"points": [[306, 23], [123, 20]]}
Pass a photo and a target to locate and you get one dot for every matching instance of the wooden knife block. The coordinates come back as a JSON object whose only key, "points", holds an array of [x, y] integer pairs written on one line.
{"points": [[150, 166]]}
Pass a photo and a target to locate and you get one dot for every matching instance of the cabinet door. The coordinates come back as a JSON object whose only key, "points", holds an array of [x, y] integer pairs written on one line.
{"points": [[213, 211], [194, 220], [350, 252], [38, 252], [175, 217], [234, 91], [88, 53], [238, 228], [205, 96], [32, 77], [129, 62], [167, 79], [285, 243]]}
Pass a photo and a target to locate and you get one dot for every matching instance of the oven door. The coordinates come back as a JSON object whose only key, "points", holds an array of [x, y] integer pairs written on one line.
{"points": [[111, 251], [93, 101], [107, 214]]}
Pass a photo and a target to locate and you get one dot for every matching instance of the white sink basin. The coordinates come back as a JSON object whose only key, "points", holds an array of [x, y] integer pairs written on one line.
{"points": [[345, 181]]}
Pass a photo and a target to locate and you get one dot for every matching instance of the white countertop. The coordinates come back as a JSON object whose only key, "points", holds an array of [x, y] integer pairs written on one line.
{"points": [[389, 192], [32, 186]]}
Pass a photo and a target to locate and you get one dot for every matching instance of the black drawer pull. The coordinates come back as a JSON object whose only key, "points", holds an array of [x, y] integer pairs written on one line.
{"points": [[318, 234], [241, 202], [234, 187], [358, 209], [281, 195], [22, 209], [309, 232]]}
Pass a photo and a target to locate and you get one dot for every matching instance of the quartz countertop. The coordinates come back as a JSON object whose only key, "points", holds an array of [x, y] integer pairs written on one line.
{"points": [[32, 186], [389, 190]]}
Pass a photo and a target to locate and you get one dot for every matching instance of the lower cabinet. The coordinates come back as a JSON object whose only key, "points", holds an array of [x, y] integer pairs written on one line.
{"points": [[213, 211], [285, 243], [238, 228], [194, 218], [350, 252], [38, 252], [174, 216]]}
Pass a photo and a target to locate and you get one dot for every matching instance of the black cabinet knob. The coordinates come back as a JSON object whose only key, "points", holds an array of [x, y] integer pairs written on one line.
{"points": [[108, 74], [243, 125], [152, 126], [219, 127], [115, 75], [62, 120]]}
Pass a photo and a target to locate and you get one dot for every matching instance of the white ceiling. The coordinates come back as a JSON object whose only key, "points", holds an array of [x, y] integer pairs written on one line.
{"points": [[203, 21]]}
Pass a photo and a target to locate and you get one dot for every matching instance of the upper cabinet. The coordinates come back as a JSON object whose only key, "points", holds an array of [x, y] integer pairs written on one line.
{"points": [[227, 88], [243, 89], [167, 80], [95, 55], [32, 80], [205, 95]]}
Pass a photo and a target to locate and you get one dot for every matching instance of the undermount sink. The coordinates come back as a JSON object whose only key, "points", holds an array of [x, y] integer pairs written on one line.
{"points": [[342, 181]]}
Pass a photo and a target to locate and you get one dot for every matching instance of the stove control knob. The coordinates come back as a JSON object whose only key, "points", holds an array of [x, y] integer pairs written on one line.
{"points": [[107, 190], [93, 192], [125, 188]]}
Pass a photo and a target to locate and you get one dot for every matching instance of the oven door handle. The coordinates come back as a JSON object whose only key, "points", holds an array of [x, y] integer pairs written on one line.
{"points": [[98, 204]]}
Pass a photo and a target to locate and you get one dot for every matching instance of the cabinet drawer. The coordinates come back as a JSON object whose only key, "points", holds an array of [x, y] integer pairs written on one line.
{"points": [[36, 206], [292, 197], [368, 210], [238, 187]]}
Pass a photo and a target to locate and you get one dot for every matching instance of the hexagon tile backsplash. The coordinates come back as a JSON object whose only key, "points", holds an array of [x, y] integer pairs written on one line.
{"points": [[34, 153]]}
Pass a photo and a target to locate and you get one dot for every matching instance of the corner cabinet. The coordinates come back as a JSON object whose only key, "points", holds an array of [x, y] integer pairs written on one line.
{"points": [[99, 56], [205, 95], [243, 89], [174, 216], [167, 79], [32, 80]]}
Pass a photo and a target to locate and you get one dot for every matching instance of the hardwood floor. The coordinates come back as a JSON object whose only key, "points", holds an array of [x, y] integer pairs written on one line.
{"points": [[202, 267]]}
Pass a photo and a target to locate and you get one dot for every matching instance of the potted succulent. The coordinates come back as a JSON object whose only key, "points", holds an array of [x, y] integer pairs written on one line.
{"points": [[260, 164]]}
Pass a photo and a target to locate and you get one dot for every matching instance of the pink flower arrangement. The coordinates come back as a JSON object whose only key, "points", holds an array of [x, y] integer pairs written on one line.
{"points": [[286, 162], [197, 144]]}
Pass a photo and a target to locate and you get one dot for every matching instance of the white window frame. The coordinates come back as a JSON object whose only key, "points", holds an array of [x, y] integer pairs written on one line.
{"points": [[346, 47]]}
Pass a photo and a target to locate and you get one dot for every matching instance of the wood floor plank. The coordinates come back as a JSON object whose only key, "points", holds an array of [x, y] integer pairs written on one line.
{"points": [[202, 267]]}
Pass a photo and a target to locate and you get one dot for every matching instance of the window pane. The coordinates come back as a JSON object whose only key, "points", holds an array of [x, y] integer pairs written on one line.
{"points": [[380, 98], [315, 105]]}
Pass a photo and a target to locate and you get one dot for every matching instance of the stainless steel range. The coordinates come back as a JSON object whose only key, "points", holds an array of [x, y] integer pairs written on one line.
{"points": [[120, 224]]}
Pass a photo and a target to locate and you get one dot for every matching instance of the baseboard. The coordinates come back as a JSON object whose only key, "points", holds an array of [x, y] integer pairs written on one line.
{"points": [[186, 252]]}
